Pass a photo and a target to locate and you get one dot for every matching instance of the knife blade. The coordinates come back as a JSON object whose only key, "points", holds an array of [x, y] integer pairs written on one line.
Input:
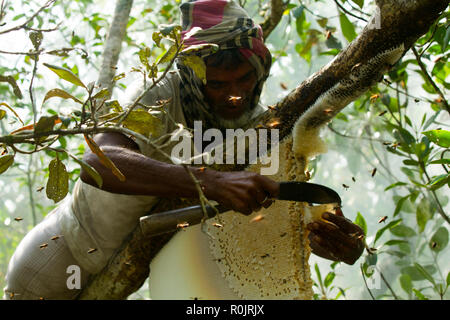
{"points": [[172, 220]]}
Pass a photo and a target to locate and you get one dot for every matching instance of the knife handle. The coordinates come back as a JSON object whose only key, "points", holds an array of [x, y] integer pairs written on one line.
{"points": [[170, 221]]}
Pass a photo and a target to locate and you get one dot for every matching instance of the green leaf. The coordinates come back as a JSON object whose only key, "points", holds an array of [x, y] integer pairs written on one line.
{"points": [[168, 55], [439, 181], [66, 74], [58, 181], [101, 94], [329, 279], [403, 231], [157, 37], [448, 279], [319, 277], [143, 122], [5, 162], [360, 221], [419, 295], [360, 3], [406, 283], [348, 29], [441, 161], [439, 137], [89, 169], [197, 65], [423, 213], [439, 240], [424, 273], [45, 124], [394, 185], [390, 225], [60, 94], [415, 274], [395, 242]]}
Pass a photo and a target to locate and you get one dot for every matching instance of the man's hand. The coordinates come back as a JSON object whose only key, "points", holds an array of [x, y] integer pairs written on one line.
{"points": [[340, 240], [242, 191]]}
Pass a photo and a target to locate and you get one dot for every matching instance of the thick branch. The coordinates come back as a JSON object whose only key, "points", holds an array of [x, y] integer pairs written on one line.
{"points": [[277, 8], [402, 23]]}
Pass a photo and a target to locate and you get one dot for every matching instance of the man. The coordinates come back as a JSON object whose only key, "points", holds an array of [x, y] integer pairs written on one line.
{"points": [[84, 231]]}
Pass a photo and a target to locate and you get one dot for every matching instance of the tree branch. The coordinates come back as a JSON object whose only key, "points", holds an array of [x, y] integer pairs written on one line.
{"points": [[430, 80], [277, 8]]}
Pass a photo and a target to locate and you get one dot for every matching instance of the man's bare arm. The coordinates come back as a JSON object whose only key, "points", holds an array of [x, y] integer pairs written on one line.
{"points": [[241, 191]]}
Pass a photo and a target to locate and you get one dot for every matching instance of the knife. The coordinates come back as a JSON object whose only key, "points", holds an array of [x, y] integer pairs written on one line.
{"points": [[169, 221]]}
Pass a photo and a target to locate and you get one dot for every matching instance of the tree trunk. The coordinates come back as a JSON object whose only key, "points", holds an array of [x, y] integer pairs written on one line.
{"points": [[349, 75], [113, 44]]}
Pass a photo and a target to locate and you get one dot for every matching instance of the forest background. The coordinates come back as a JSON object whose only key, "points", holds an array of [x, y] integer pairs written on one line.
{"points": [[388, 151]]}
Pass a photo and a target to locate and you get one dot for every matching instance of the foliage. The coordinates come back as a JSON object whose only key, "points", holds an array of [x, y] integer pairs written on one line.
{"points": [[392, 124]]}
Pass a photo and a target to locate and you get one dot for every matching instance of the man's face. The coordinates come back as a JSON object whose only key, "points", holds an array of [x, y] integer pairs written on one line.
{"points": [[229, 90]]}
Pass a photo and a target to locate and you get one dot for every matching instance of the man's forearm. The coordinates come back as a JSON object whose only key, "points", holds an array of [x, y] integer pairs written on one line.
{"points": [[144, 176]]}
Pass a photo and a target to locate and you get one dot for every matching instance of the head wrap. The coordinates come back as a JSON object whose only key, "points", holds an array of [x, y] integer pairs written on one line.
{"points": [[224, 25]]}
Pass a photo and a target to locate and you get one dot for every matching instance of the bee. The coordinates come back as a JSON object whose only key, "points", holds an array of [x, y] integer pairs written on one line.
{"points": [[91, 250], [4, 152], [182, 225], [386, 143], [128, 263], [328, 34], [382, 113], [360, 237], [395, 145], [234, 100], [272, 108], [258, 218], [44, 245], [217, 225], [55, 238], [438, 100], [274, 123], [40, 189], [283, 86], [353, 179], [433, 245], [374, 97], [355, 66], [265, 255], [374, 171], [345, 186], [18, 219], [383, 219]]}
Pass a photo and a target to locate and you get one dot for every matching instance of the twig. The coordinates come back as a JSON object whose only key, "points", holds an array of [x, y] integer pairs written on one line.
{"points": [[387, 284], [30, 89], [49, 3], [348, 12], [365, 282], [430, 80]]}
